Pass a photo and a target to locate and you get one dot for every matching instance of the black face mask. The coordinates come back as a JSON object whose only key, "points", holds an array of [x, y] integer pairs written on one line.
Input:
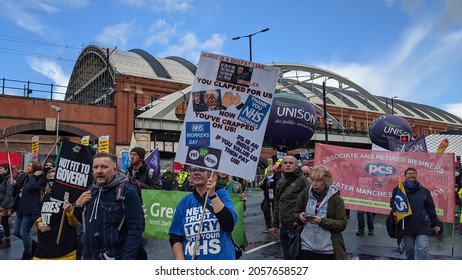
{"points": [[46, 169]]}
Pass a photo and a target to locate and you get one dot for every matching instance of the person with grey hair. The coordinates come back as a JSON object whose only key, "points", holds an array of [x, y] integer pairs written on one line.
{"points": [[287, 190], [306, 172], [321, 211]]}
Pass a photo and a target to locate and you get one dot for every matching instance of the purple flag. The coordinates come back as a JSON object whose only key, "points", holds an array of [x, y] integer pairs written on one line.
{"points": [[419, 145], [153, 164]]}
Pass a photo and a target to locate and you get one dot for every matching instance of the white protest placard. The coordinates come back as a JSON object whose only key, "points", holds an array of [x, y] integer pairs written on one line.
{"points": [[227, 115]]}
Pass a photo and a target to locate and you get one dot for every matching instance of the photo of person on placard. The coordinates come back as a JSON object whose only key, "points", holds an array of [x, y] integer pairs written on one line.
{"points": [[242, 75]]}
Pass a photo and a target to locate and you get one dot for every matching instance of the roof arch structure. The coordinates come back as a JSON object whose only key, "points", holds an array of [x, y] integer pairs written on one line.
{"points": [[307, 80], [93, 78]]}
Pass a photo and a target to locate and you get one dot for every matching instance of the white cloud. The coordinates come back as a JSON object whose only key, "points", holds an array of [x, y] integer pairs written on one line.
{"points": [[189, 47], [160, 32], [115, 35], [51, 70], [21, 14], [160, 6], [417, 68], [28, 14], [455, 109]]}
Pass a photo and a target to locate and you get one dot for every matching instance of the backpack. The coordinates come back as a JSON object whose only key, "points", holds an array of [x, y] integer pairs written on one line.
{"points": [[120, 197]]}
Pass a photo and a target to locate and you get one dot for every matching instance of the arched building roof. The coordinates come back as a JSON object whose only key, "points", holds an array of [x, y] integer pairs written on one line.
{"points": [[94, 75], [94, 72], [307, 80]]}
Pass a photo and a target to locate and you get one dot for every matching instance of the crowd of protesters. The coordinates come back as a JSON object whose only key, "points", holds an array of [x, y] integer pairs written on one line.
{"points": [[297, 201]]}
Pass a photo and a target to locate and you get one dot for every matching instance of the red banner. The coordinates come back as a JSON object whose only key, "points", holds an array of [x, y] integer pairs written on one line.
{"points": [[366, 178], [14, 157]]}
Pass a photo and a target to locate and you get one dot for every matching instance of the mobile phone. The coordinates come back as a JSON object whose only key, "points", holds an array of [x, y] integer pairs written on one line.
{"points": [[309, 217]]}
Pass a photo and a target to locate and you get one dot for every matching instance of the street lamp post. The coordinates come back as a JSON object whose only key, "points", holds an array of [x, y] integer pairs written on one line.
{"points": [[250, 39], [58, 110], [393, 105], [325, 109]]}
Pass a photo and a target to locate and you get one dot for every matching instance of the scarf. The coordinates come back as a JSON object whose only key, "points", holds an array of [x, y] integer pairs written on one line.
{"points": [[411, 187]]}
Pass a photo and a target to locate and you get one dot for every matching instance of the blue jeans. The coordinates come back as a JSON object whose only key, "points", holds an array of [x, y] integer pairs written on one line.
{"points": [[370, 220], [22, 228], [417, 245], [285, 234]]}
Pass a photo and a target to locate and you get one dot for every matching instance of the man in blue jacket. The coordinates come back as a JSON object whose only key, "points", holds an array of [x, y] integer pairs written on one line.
{"points": [[111, 215]]}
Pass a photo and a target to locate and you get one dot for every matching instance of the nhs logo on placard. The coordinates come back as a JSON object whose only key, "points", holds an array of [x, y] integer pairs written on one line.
{"points": [[198, 127], [197, 134]]}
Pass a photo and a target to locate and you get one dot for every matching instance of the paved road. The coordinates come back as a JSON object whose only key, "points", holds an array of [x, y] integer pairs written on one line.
{"points": [[264, 246]]}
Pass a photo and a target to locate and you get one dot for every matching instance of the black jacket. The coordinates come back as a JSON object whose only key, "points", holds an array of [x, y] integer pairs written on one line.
{"points": [[142, 175], [423, 217]]}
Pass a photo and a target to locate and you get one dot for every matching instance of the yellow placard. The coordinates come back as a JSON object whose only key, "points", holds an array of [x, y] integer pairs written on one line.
{"points": [[103, 144]]}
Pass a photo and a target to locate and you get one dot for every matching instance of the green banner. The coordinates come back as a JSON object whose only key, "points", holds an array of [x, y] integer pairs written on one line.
{"points": [[159, 208]]}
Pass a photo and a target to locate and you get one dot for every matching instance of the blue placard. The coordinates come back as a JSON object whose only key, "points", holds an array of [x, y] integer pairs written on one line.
{"points": [[197, 134], [254, 111]]}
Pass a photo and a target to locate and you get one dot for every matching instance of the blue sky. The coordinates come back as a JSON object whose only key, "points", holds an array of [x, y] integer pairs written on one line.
{"points": [[406, 48]]}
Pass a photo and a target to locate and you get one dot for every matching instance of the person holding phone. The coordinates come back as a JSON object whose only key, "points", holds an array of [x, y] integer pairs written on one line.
{"points": [[321, 211]]}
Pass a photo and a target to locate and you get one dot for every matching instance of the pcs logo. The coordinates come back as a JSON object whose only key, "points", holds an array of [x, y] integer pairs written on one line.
{"points": [[379, 169]]}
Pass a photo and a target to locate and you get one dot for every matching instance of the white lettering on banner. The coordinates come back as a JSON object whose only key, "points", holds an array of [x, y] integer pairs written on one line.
{"points": [[72, 177], [49, 208], [298, 113], [426, 164], [205, 247], [374, 193], [394, 130], [339, 156], [161, 211]]}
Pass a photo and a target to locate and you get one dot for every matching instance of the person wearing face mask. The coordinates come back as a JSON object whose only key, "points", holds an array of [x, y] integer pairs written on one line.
{"points": [[417, 227], [47, 167], [55, 241]]}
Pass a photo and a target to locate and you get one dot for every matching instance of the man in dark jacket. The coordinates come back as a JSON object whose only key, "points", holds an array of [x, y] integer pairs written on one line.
{"points": [[268, 185], [287, 190], [168, 179], [110, 232], [418, 225], [139, 170]]}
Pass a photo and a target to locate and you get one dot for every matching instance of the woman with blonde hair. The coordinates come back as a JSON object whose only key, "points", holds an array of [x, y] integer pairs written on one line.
{"points": [[321, 211]]}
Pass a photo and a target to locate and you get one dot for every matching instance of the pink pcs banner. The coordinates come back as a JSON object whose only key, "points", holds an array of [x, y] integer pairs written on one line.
{"points": [[366, 178]]}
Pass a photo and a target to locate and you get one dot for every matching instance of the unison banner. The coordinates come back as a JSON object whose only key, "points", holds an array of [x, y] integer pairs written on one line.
{"points": [[366, 178], [159, 207]]}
